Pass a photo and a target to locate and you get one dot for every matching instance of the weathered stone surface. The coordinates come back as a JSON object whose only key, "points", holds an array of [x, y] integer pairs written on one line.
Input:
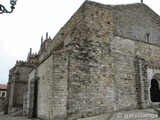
{"points": [[1, 104], [102, 61], [17, 86]]}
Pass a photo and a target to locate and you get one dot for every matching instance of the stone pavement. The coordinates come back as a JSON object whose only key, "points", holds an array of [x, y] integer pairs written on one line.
{"points": [[8, 117], [145, 114]]}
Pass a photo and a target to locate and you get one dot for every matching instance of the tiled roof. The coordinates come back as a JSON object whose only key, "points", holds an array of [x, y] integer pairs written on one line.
{"points": [[3, 86]]}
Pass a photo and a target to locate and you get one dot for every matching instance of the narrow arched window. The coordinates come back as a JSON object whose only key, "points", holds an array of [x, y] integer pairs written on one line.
{"points": [[147, 37]]}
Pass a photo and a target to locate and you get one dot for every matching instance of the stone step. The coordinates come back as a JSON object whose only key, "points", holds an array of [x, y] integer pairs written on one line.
{"points": [[17, 113]]}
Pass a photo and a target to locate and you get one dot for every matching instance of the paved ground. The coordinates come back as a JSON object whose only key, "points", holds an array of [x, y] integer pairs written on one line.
{"points": [[8, 117], [145, 114]]}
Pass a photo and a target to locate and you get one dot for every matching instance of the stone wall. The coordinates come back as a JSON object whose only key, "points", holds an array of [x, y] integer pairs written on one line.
{"points": [[125, 52], [123, 66], [91, 85], [118, 80], [18, 78], [52, 86], [53, 72], [96, 63], [103, 67], [135, 21], [2, 104]]}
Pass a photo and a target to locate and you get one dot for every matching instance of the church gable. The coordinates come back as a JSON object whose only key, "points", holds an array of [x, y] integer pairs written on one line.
{"points": [[138, 22]]}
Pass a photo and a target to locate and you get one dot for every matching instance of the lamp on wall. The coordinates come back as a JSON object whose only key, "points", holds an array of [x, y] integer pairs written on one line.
{"points": [[4, 10]]}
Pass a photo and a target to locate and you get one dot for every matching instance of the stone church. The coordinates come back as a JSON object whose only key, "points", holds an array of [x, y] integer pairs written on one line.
{"points": [[106, 58]]}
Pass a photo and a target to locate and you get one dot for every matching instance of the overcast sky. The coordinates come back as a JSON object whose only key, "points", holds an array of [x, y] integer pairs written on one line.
{"points": [[31, 19]]}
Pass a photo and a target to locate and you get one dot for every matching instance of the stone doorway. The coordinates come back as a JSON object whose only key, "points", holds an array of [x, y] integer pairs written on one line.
{"points": [[33, 92], [154, 91], [35, 99], [150, 84]]}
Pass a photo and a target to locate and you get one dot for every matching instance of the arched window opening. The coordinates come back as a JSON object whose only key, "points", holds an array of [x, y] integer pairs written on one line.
{"points": [[154, 91], [147, 37]]}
